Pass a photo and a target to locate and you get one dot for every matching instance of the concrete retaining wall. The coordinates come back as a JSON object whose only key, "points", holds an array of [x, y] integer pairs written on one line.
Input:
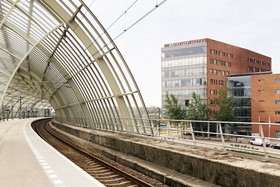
{"points": [[212, 171]]}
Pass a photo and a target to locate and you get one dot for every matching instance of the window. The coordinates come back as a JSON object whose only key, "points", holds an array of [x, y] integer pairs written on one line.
{"points": [[277, 134], [197, 81], [211, 92], [221, 82], [268, 64], [277, 80], [277, 91], [184, 51], [215, 61], [277, 112], [277, 102], [215, 92]]}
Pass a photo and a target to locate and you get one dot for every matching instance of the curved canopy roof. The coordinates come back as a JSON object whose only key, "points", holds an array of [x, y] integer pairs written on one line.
{"points": [[55, 54]]}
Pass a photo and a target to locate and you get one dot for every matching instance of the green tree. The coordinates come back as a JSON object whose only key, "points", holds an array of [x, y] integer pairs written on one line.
{"points": [[198, 109], [226, 105], [173, 109]]}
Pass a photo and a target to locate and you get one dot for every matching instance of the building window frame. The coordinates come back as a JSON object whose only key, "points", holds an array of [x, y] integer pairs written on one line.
{"points": [[277, 102]]}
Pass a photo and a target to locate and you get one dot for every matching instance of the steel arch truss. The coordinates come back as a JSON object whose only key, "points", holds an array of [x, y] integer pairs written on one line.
{"points": [[55, 54]]}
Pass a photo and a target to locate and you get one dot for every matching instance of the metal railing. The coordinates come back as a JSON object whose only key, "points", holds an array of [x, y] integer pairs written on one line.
{"points": [[218, 135], [225, 136]]}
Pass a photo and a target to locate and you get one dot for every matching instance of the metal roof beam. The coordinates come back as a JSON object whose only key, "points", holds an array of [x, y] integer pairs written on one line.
{"points": [[28, 31], [8, 14], [22, 59], [11, 53], [75, 13]]}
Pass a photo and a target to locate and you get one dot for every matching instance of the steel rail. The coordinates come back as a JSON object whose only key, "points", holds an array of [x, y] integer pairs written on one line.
{"points": [[89, 154]]}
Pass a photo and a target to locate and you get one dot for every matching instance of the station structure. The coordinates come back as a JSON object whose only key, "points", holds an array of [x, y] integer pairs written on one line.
{"points": [[57, 59]]}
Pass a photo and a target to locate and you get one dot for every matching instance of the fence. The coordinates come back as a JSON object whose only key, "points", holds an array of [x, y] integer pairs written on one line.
{"points": [[224, 136]]}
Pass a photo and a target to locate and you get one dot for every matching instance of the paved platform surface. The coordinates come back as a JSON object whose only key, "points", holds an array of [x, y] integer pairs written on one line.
{"points": [[26, 160]]}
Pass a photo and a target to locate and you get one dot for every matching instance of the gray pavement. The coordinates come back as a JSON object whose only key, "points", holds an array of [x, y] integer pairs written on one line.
{"points": [[26, 160], [19, 167]]}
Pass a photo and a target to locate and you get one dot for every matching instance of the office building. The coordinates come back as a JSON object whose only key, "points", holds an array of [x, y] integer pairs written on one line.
{"points": [[258, 96], [202, 66], [266, 103]]}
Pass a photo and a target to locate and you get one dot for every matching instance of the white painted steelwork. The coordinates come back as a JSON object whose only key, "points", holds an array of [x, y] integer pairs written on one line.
{"points": [[56, 55]]}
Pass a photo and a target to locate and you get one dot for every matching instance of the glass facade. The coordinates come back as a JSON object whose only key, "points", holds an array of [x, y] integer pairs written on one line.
{"points": [[184, 51], [183, 71], [240, 89], [277, 134]]}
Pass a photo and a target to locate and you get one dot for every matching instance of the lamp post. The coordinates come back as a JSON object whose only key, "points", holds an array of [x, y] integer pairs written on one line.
{"points": [[19, 107], [158, 110], [269, 127], [12, 110], [158, 119]]}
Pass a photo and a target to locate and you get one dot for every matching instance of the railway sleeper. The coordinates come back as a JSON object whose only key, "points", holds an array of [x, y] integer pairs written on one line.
{"points": [[121, 184]]}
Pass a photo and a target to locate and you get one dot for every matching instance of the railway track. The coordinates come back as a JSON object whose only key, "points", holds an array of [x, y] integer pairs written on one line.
{"points": [[101, 168]]}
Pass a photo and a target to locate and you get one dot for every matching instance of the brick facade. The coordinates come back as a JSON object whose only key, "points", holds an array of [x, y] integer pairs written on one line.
{"points": [[266, 102], [225, 59]]}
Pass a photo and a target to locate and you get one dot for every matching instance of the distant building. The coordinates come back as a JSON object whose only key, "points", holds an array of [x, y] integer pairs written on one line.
{"points": [[202, 66], [258, 95], [266, 103]]}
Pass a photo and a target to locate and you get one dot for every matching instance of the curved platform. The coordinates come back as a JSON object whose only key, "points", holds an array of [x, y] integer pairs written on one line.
{"points": [[26, 160]]}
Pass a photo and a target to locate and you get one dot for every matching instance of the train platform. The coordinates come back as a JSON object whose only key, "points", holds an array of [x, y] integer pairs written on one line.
{"points": [[27, 160]]}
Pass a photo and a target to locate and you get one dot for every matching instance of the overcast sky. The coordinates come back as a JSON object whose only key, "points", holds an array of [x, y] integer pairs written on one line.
{"points": [[251, 24]]}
